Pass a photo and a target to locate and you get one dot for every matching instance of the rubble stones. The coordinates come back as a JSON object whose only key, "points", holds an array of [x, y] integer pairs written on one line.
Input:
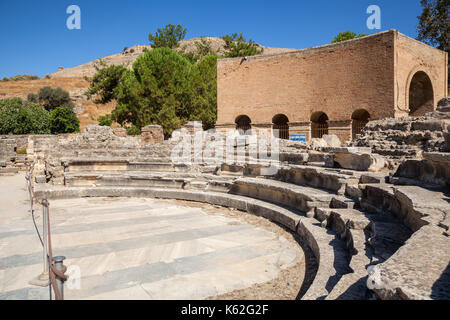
{"points": [[332, 140]]}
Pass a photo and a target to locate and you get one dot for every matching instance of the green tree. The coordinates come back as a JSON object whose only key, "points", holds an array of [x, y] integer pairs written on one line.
{"points": [[167, 37], [63, 120], [105, 82], [347, 35], [155, 92], [39, 119], [203, 100], [52, 98], [434, 24], [17, 118], [237, 46], [9, 110]]}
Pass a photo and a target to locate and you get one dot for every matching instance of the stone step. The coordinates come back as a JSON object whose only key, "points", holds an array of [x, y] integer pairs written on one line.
{"points": [[143, 179], [351, 286], [387, 238], [414, 206], [286, 194], [322, 178], [419, 270], [116, 164]]}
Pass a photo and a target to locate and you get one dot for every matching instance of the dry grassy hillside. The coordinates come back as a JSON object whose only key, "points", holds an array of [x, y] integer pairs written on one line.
{"points": [[86, 111], [72, 79]]}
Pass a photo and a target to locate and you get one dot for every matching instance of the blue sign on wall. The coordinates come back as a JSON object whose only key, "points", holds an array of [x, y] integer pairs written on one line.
{"points": [[298, 137]]}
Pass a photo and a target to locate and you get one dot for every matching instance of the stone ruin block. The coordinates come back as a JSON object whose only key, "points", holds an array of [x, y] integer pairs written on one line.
{"points": [[444, 105], [7, 149], [360, 159], [152, 134], [120, 132]]}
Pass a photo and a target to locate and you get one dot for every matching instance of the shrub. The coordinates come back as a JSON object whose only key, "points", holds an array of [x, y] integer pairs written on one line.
{"points": [[21, 151], [237, 46], [17, 118], [63, 120], [105, 120], [21, 77], [133, 131], [53, 98]]}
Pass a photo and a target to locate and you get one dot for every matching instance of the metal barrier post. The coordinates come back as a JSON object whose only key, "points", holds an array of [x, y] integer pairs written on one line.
{"points": [[43, 279], [45, 233], [60, 266]]}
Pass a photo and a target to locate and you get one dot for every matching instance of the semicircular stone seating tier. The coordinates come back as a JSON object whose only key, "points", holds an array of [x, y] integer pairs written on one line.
{"points": [[370, 238], [372, 235]]}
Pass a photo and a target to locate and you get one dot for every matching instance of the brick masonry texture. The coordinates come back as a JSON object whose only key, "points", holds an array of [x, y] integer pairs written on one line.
{"points": [[371, 73]]}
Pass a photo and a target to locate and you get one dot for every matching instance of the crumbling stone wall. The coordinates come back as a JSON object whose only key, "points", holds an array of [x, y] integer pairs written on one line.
{"points": [[94, 142], [408, 137]]}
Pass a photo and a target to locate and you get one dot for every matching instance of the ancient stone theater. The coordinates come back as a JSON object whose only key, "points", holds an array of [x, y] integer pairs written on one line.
{"points": [[332, 89]]}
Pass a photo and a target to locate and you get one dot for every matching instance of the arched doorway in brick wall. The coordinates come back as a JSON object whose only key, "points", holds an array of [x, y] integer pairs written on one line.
{"points": [[243, 124], [281, 123], [359, 120], [319, 124], [421, 96]]}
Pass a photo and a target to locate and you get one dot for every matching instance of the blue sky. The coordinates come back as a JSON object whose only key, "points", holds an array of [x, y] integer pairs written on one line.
{"points": [[35, 40]]}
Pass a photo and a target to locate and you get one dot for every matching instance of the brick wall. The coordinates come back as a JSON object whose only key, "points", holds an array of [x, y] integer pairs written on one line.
{"points": [[413, 56], [337, 79]]}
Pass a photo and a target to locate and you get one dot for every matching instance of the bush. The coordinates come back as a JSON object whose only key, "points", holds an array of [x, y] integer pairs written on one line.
{"points": [[17, 118], [21, 151], [53, 98], [21, 77], [237, 46], [133, 131], [105, 120], [63, 120]]}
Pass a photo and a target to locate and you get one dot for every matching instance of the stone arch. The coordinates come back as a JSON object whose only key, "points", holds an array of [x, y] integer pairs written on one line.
{"points": [[319, 124], [359, 120], [420, 94], [280, 122], [243, 124]]}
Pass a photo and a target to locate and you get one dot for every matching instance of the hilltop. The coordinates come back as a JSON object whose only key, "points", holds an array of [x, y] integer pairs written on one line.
{"points": [[128, 56]]}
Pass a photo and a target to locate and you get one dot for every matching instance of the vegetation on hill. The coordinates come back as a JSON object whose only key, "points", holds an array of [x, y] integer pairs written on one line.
{"points": [[105, 83], [21, 77], [51, 98], [166, 86], [169, 37], [50, 111], [347, 35], [237, 46]]}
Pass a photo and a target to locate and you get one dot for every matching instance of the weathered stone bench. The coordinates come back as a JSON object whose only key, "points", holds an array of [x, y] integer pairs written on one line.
{"points": [[316, 177], [298, 197]]}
